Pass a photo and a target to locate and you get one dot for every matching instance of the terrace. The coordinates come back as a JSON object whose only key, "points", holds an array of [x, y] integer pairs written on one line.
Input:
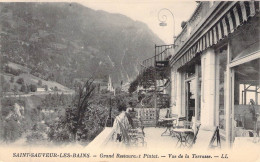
{"points": [[152, 139]]}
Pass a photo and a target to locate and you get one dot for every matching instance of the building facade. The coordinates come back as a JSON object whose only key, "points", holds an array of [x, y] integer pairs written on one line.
{"points": [[215, 68]]}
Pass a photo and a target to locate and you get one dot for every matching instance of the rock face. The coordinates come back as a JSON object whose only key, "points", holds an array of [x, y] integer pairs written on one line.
{"points": [[62, 41]]}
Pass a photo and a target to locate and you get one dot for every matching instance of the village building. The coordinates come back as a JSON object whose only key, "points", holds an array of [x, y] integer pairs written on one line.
{"points": [[125, 87], [110, 86], [40, 89]]}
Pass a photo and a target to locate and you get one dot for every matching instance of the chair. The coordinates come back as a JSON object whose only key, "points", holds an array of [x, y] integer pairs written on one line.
{"points": [[136, 137], [196, 131], [175, 122], [136, 134], [163, 113], [183, 130]]}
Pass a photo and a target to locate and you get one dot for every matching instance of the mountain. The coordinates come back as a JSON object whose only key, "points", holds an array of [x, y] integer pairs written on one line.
{"points": [[63, 41]]}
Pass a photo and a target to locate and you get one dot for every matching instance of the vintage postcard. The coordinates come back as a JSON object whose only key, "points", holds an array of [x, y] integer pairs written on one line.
{"points": [[129, 80]]}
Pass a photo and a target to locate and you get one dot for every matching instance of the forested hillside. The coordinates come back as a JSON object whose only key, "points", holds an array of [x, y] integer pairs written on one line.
{"points": [[62, 41]]}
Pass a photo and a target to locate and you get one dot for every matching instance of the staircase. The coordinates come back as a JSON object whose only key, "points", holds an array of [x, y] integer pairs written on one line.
{"points": [[156, 75], [162, 66]]}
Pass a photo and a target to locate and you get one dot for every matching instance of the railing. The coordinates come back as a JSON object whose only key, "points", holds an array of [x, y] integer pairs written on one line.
{"points": [[109, 135], [194, 23], [162, 52]]}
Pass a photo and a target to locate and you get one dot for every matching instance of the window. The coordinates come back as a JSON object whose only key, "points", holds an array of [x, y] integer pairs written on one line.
{"points": [[221, 62], [246, 97], [248, 92]]}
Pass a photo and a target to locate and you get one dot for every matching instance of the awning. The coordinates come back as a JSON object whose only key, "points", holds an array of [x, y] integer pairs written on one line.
{"points": [[227, 24]]}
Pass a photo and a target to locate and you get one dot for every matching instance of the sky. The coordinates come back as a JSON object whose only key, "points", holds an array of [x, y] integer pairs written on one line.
{"points": [[147, 11]]}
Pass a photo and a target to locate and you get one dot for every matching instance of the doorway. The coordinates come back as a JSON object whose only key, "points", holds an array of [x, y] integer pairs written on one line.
{"points": [[190, 95]]}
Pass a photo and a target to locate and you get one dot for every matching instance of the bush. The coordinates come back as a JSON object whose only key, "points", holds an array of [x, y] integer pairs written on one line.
{"points": [[15, 88], [12, 71], [6, 87], [23, 88], [2, 80], [12, 131], [55, 88], [46, 87], [35, 138], [40, 83], [12, 79], [33, 88], [20, 81]]}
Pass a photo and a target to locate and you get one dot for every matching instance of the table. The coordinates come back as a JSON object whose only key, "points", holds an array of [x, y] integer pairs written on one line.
{"points": [[168, 125], [182, 135]]}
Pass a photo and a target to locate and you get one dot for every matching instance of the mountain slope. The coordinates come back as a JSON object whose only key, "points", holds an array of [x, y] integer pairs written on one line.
{"points": [[62, 41]]}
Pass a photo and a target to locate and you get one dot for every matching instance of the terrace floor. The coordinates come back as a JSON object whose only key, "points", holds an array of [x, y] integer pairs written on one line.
{"points": [[154, 139]]}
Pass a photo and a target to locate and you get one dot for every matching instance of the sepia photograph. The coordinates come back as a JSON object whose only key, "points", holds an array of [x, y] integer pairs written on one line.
{"points": [[129, 80]]}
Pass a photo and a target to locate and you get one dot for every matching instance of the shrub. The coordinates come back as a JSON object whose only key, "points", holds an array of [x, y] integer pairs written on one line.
{"points": [[46, 87], [6, 87], [20, 81], [33, 88], [12, 131], [40, 83], [2, 80], [23, 88], [12, 79], [15, 88], [55, 88]]}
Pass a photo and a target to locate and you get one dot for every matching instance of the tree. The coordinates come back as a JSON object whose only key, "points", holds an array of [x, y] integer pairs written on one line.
{"points": [[28, 89], [6, 87], [39, 82], [82, 103], [33, 88], [15, 89], [133, 86], [35, 137], [12, 131], [12, 79], [55, 88], [2, 80], [23, 88], [20, 81], [77, 122], [36, 134], [46, 87]]}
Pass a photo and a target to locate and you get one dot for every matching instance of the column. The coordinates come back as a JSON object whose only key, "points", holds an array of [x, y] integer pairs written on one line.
{"points": [[208, 66], [179, 95]]}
